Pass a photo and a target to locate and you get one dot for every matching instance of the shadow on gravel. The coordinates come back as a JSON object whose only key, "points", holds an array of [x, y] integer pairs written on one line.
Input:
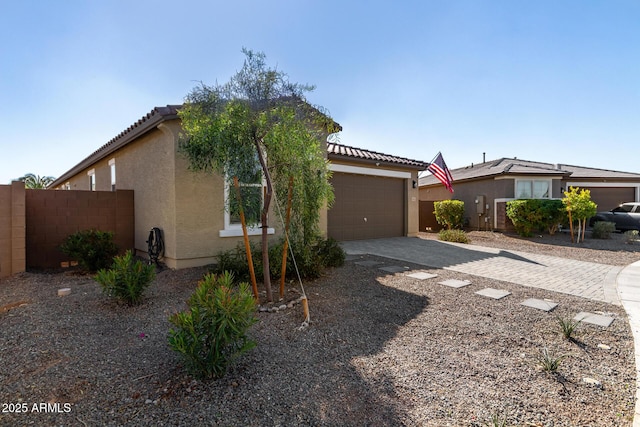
{"points": [[431, 253], [307, 377]]}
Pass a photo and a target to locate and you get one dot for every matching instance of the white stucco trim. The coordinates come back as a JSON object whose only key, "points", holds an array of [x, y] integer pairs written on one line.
{"points": [[233, 231], [369, 171]]}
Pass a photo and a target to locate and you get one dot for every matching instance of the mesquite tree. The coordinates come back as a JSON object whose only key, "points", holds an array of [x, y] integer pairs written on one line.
{"points": [[259, 127]]}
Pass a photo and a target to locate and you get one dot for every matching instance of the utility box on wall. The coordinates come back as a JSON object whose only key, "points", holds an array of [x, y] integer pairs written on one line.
{"points": [[480, 205]]}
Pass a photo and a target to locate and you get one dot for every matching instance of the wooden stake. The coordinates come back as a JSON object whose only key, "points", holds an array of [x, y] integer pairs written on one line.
{"points": [[247, 246], [571, 226], [285, 247], [305, 307]]}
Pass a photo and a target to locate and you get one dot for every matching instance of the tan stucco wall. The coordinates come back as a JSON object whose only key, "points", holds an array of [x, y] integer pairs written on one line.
{"points": [[188, 206]]}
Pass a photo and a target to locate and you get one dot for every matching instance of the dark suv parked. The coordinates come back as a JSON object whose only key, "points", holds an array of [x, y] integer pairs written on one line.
{"points": [[626, 216]]}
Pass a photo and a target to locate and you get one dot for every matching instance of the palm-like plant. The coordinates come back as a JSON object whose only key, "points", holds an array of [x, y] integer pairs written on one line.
{"points": [[36, 181]]}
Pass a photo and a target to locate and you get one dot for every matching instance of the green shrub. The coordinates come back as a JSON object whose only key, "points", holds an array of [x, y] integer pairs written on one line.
{"points": [[92, 249], [458, 236], [549, 362], [553, 214], [449, 213], [235, 261], [526, 216], [126, 279], [631, 236], [212, 333], [567, 326], [603, 229], [311, 260]]}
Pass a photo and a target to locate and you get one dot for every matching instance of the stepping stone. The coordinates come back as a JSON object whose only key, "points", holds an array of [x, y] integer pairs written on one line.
{"points": [[493, 293], [368, 263], [421, 275], [394, 269], [594, 319], [455, 283], [540, 304]]}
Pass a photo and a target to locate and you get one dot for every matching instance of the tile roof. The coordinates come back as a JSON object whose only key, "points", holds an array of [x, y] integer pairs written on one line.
{"points": [[159, 114], [338, 150], [513, 166], [146, 123]]}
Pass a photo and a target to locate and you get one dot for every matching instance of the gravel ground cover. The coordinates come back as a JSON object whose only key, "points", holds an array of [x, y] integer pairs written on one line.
{"points": [[382, 350]]}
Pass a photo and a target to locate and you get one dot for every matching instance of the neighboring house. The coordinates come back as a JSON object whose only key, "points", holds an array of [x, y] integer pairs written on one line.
{"points": [[486, 187], [376, 194]]}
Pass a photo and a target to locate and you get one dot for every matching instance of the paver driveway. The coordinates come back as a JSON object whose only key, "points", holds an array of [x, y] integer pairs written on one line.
{"points": [[584, 279]]}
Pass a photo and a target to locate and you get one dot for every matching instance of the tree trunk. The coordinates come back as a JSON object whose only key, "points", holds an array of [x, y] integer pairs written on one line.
{"points": [[264, 219]]}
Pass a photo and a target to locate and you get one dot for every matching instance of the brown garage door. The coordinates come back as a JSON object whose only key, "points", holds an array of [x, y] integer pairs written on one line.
{"points": [[608, 198], [366, 207]]}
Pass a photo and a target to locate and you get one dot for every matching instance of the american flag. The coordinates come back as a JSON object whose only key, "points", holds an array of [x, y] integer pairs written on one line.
{"points": [[439, 169]]}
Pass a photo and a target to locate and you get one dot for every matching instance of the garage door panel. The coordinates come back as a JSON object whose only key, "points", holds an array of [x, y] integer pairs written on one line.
{"points": [[608, 198], [366, 207]]}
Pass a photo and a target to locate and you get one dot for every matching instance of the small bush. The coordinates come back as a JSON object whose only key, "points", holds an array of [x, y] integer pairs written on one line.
{"points": [[497, 420], [553, 214], [330, 253], [631, 236], [567, 326], [548, 361], [92, 249], [525, 215], [603, 229], [310, 259], [212, 333], [536, 215], [449, 213], [127, 279], [458, 236]]}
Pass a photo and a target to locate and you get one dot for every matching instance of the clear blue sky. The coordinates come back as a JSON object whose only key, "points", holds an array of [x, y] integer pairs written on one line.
{"points": [[553, 81]]}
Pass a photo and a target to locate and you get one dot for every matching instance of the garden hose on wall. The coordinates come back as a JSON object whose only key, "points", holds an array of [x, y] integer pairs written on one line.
{"points": [[155, 246]]}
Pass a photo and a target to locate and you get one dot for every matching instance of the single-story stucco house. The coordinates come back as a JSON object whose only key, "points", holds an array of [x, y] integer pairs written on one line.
{"points": [[486, 187], [376, 195]]}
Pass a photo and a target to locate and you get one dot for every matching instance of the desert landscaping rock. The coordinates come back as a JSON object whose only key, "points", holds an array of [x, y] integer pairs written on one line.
{"points": [[368, 263], [394, 269], [64, 292], [383, 350]]}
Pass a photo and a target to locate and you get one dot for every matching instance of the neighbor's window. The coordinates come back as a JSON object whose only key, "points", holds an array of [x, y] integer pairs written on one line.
{"points": [[92, 179], [533, 189], [112, 166]]}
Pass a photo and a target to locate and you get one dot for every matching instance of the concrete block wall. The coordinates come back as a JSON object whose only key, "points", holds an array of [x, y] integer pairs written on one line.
{"points": [[12, 229], [51, 216]]}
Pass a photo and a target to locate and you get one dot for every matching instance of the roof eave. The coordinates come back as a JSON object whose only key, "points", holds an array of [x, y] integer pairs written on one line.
{"points": [[115, 144]]}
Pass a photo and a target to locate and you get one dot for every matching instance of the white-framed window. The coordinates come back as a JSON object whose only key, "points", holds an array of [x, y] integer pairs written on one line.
{"points": [[251, 185], [533, 189], [92, 179], [112, 168]]}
